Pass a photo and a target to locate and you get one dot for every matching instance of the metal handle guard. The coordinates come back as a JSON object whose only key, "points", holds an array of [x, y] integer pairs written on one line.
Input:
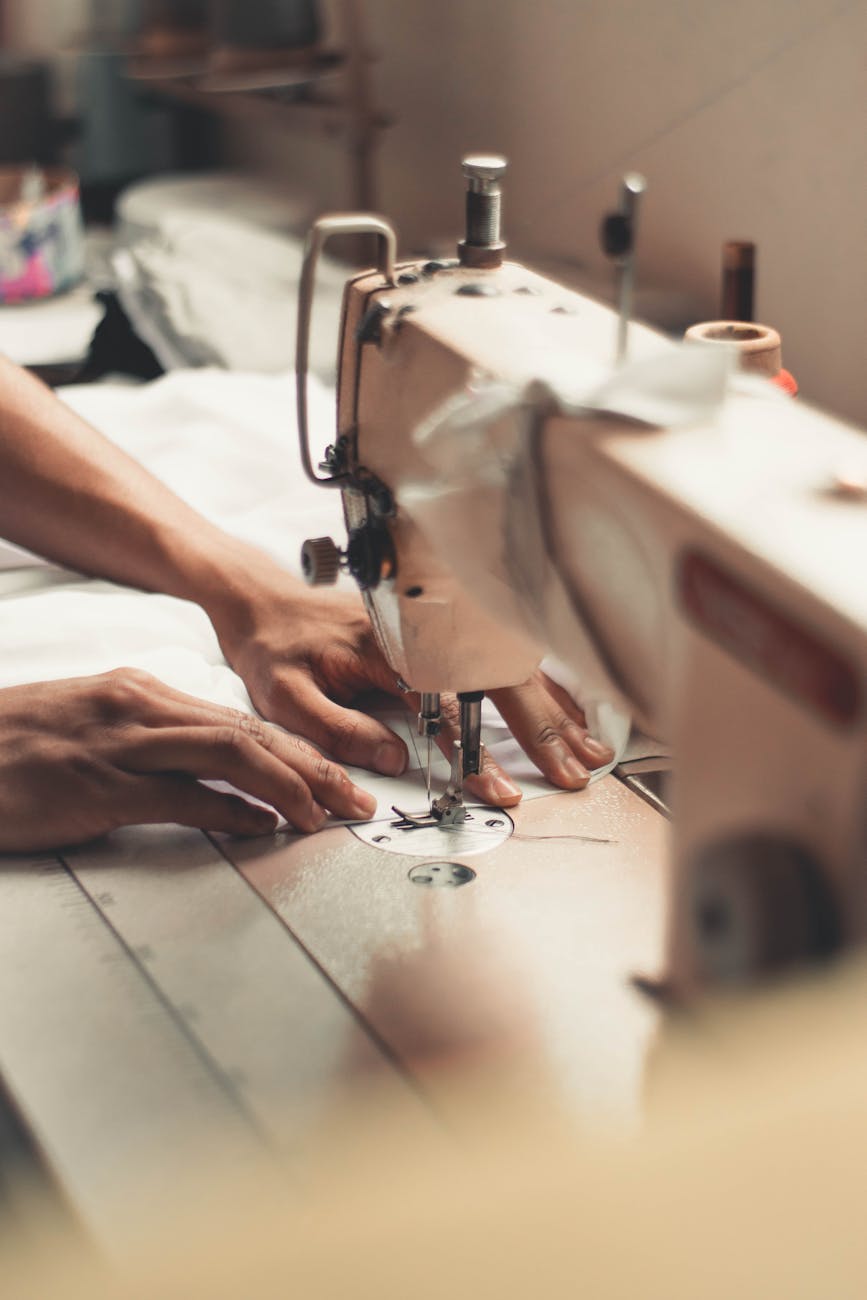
{"points": [[348, 223]]}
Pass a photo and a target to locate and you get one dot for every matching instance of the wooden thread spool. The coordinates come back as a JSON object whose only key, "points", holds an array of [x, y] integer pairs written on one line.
{"points": [[759, 347]]}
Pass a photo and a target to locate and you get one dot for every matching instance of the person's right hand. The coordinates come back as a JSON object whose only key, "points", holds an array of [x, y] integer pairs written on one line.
{"points": [[82, 756]]}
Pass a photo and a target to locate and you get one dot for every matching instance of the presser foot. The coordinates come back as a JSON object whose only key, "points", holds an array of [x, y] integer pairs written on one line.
{"points": [[449, 809], [412, 821], [442, 812]]}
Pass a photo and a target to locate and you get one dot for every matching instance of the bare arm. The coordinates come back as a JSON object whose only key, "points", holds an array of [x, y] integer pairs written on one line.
{"points": [[66, 492]]}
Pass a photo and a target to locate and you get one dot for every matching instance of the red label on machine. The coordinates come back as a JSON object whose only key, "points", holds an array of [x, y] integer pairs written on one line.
{"points": [[768, 640]]}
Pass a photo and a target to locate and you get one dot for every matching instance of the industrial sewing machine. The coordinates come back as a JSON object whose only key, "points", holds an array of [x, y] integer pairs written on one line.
{"points": [[169, 986], [712, 567]]}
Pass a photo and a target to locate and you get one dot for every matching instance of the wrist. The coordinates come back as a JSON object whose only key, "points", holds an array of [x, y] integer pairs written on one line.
{"points": [[233, 585]]}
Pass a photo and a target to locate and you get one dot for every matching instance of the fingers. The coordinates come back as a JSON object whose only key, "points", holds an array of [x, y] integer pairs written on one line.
{"points": [[183, 733], [351, 736], [549, 726], [183, 800], [242, 749], [493, 785], [593, 752], [259, 760]]}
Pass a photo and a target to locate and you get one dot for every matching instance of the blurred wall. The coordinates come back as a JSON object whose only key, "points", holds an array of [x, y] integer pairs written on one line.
{"points": [[747, 117], [44, 24]]}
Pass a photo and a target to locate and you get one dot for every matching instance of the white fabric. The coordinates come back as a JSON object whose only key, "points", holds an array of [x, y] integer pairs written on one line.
{"points": [[226, 443]]}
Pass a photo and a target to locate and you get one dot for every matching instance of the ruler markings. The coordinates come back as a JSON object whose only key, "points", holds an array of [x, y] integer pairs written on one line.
{"points": [[112, 1089], [382, 1045], [273, 1022]]}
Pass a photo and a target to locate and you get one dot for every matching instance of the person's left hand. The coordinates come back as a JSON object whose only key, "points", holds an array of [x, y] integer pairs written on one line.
{"points": [[306, 654]]}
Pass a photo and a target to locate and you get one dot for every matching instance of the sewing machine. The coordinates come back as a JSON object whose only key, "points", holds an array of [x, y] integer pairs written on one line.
{"points": [[171, 985], [712, 571]]}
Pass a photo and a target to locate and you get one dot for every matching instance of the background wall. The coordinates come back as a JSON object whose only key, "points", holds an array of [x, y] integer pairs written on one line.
{"points": [[749, 119]]}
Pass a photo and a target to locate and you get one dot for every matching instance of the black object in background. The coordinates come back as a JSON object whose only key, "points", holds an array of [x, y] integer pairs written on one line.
{"points": [[738, 280], [116, 348], [264, 24], [27, 130]]}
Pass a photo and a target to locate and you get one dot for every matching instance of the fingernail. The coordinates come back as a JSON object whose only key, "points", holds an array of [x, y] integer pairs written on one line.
{"points": [[596, 749], [571, 773], [318, 817], [363, 804], [503, 788], [389, 759]]}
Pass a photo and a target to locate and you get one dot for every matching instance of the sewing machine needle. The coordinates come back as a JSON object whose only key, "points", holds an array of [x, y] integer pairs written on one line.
{"points": [[428, 725]]}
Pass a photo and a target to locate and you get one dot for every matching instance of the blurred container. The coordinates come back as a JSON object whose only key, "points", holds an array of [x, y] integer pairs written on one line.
{"points": [[41, 233]]}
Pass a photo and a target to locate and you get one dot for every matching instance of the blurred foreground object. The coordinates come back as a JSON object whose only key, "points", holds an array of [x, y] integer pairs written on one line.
{"points": [[746, 1181]]}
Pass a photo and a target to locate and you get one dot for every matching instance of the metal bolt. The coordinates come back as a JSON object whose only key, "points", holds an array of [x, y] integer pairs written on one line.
{"points": [[482, 170], [483, 246]]}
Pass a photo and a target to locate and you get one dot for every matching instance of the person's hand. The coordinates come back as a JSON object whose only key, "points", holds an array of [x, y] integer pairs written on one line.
{"points": [[82, 756], [306, 654]]}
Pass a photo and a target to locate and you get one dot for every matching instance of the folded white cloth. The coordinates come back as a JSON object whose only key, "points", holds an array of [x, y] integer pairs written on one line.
{"points": [[208, 288]]}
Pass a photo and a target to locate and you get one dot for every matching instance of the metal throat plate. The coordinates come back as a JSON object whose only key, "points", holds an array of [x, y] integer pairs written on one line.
{"points": [[483, 830]]}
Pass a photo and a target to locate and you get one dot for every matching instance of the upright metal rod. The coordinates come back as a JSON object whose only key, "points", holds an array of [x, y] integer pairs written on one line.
{"points": [[471, 731], [618, 241], [633, 187]]}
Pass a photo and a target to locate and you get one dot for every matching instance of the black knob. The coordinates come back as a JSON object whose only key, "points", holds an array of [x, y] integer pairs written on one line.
{"points": [[370, 554]]}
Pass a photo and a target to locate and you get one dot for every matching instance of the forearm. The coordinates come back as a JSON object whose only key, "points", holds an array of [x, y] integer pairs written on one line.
{"points": [[69, 494]]}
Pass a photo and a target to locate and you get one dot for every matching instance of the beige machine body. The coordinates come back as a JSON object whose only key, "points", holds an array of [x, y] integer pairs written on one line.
{"points": [[719, 571]]}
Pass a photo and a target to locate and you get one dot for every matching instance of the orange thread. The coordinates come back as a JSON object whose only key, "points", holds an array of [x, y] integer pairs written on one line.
{"points": [[787, 381]]}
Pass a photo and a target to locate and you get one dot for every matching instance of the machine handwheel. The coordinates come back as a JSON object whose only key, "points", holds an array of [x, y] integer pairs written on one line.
{"points": [[758, 906]]}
